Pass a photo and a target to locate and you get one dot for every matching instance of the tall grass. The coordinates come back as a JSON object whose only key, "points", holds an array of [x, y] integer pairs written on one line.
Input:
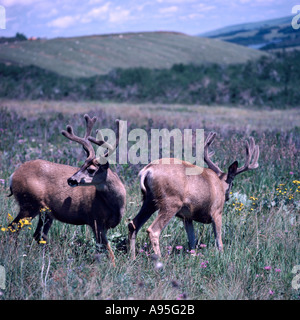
{"points": [[260, 223]]}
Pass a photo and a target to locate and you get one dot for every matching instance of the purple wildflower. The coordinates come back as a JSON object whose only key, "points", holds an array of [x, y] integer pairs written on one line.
{"points": [[267, 267]]}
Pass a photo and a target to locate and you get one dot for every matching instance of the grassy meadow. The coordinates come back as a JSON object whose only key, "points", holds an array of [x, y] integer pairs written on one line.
{"points": [[260, 222]]}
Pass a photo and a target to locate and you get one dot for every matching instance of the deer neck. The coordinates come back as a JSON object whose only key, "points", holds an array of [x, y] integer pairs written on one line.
{"points": [[226, 186], [112, 192], [111, 183]]}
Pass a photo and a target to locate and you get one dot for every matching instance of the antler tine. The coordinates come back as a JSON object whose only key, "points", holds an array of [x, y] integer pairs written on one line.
{"points": [[87, 146], [252, 152], [209, 140], [103, 143], [89, 125], [111, 151], [254, 163]]}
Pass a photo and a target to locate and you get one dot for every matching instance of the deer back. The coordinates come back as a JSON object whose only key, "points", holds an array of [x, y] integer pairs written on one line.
{"points": [[195, 195]]}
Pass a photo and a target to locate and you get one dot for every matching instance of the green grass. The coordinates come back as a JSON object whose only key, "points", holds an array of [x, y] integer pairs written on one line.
{"points": [[264, 233], [94, 55]]}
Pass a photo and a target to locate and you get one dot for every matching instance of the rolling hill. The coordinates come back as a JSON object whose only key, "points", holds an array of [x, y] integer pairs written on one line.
{"points": [[97, 55], [264, 35]]}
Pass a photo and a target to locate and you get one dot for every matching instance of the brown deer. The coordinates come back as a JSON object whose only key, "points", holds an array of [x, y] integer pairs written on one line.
{"points": [[98, 199], [167, 188]]}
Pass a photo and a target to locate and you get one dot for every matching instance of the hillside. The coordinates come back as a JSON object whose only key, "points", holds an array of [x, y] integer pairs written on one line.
{"points": [[95, 55], [247, 26], [264, 35]]}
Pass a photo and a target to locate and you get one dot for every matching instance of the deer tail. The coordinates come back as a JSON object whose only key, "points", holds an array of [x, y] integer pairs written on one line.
{"points": [[143, 175], [10, 186]]}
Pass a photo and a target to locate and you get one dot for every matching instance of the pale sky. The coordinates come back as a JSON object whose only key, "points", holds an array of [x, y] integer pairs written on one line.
{"points": [[65, 18]]}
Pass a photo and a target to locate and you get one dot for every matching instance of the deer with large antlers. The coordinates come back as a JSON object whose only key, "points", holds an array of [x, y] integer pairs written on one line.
{"points": [[166, 187], [98, 199]]}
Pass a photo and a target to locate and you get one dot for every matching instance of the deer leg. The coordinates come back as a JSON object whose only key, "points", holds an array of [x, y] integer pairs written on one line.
{"points": [[105, 242], [189, 228], [217, 227], [42, 228], [148, 208], [23, 213], [14, 223], [101, 239], [161, 221]]}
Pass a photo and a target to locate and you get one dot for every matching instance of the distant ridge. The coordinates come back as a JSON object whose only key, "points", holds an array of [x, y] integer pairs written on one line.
{"points": [[99, 54], [275, 34], [248, 26]]}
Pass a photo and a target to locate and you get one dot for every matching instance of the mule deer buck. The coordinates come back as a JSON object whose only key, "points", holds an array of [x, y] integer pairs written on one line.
{"points": [[98, 199], [167, 188]]}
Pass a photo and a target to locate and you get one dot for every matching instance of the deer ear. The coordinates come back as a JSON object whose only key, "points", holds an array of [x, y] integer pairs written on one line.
{"points": [[233, 169]]}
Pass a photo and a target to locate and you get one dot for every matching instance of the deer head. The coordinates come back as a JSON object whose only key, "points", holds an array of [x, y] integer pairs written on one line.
{"points": [[94, 170], [252, 152]]}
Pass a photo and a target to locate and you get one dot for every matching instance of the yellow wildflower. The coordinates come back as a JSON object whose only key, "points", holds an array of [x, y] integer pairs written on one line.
{"points": [[26, 221]]}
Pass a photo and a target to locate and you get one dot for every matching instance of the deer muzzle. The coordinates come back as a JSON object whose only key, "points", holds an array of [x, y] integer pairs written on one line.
{"points": [[72, 182]]}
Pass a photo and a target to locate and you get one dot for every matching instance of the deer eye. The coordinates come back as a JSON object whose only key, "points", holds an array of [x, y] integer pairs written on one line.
{"points": [[91, 171]]}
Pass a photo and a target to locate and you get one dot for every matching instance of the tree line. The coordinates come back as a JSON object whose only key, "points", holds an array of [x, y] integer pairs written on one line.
{"points": [[270, 81]]}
